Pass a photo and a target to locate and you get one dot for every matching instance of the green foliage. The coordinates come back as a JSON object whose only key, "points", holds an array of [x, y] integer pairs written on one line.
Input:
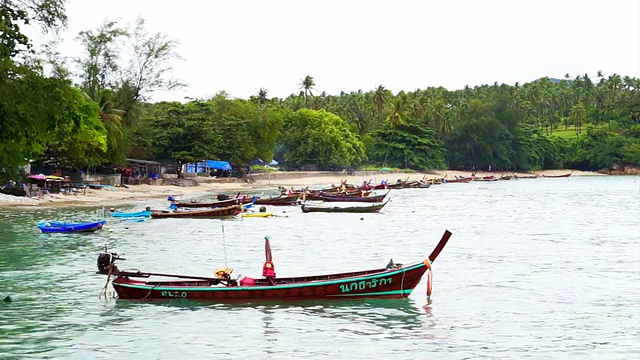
{"points": [[599, 149], [319, 137], [38, 114], [408, 144], [532, 126], [631, 152], [49, 14], [232, 130], [80, 139]]}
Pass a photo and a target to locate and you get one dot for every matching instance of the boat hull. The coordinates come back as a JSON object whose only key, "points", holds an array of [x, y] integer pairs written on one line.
{"points": [[557, 176], [131, 215], [362, 199], [61, 227], [349, 209], [395, 283], [224, 212], [276, 201], [223, 203]]}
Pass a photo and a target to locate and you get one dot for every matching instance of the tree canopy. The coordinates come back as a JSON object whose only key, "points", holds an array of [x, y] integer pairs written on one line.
{"points": [[98, 109]]}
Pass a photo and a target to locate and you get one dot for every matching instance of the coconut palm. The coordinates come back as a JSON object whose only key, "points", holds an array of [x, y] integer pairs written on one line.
{"points": [[306, 86]]}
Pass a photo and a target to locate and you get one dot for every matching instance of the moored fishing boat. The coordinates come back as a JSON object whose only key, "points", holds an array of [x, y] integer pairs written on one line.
{"points": [[392, 281], [62, 226], [212, 204], [367, 199], [223, 212], [345, 209], [279, 200]]}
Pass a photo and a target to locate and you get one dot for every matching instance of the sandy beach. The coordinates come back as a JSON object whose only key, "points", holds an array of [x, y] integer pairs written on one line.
{"points": [[139, 194]]}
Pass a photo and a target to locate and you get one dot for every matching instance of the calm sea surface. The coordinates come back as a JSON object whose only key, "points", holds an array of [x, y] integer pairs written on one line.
{"points": [[540, 269]]}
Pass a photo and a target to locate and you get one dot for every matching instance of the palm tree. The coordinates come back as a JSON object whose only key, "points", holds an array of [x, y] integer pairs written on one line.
{"points": [[307, 85], [380, 98], [262, 96]]}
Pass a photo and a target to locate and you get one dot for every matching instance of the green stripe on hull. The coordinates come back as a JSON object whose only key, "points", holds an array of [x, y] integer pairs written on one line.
{"points": [[381, 293], [273, 287]]}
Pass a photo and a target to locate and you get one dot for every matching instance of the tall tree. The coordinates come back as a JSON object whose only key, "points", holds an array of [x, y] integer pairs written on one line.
{"points": [[307, 85]]}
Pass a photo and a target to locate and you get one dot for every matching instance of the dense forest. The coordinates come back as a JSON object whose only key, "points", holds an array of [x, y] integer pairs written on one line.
{"points": [[97, 110]]}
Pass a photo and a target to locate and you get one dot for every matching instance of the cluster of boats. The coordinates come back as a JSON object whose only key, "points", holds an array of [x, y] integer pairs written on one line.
{"points": [[309, 199], [392, 281]]}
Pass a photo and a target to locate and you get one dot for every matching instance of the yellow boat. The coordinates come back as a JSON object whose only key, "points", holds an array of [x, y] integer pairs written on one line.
{"points": [[257, 215]]}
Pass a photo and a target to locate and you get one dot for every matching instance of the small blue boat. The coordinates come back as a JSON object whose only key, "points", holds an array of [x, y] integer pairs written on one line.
{"points": [[120, 214], [61, 226]]}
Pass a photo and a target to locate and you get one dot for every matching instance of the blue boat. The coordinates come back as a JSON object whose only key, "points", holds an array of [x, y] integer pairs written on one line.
{"points": [[120, 214], [61, 226]]}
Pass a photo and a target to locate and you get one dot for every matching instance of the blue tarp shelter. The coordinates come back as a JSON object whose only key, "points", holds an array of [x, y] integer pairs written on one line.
{"points": [[208, 165]]}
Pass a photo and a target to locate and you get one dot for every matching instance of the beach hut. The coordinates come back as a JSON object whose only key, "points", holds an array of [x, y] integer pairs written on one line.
{"points": [[211, 167]]}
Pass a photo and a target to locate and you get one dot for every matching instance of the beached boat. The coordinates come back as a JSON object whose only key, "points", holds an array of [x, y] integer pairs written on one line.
{"points": [[367, 199], [459, 180], [392, 281], [557, 176], [223, 212], [485, 178], [61, 226], [525, 176], [344, 209], [119, 214]]}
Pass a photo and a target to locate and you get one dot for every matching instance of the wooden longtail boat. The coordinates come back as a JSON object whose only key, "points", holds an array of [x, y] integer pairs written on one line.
{"points": [[348, 209], [352, 194], [392, 281], [485, 178], [211, 204], [557, 176], [459, 180], [280, 200], [223, 212], [525, 176], [367, 199]]}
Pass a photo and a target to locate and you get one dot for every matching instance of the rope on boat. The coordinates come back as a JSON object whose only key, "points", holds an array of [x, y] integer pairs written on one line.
{"points": [[427, 263], [149, 293]]}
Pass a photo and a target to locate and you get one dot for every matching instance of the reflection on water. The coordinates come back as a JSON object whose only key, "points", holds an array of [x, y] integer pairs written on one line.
{"points": [[546, 268]]}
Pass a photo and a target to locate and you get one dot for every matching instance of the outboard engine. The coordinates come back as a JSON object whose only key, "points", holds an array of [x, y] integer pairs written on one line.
{"points": [[107, 261], [222, 197]]}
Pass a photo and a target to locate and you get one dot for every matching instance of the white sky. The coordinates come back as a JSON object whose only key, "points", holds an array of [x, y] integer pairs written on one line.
{"points": [[242, 45]]}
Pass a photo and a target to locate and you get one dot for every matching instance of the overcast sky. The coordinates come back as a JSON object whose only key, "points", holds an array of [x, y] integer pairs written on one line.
{"points": [[242, 45]]}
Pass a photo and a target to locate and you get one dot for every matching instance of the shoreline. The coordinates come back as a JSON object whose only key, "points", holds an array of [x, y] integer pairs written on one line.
{"points": [[140, 194]]}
